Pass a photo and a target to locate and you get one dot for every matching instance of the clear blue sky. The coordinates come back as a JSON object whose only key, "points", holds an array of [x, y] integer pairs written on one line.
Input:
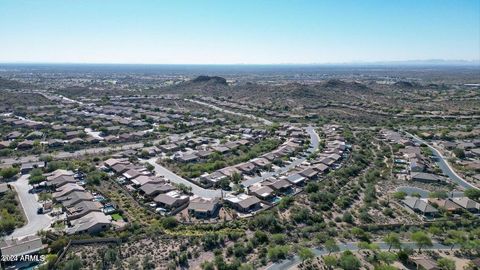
{"points": [[241, 31]]}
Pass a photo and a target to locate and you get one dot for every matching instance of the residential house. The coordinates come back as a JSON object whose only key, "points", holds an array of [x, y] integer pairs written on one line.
{"points": [[321, 168], [203, 154], [296, 179], [279, 185], [186, 158], [109, 163], [426, 177], [131, 174], [5, 144], [261, 162], [416, 165], [262, 192], [74, 134], [468, 204], [67, 189], [82, 208], [221, 149], [60, 179], [171, 200], [425, 263], [13, 135], [152, 189], [91, 223], [143, 179], [24, 145], [168, 147], [446, 204], [420, 206], [212, 178], [309, 173], [21, 246], [204, 207], [29, 166], [74, 198], [247, 168], [120, 168], [229, 171], [243, 203]]}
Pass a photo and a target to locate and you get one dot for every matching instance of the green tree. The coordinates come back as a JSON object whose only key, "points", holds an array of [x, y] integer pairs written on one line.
{"points": [[347, 217], [421, 239], [363, 245], [110, 256], [9, 172], [73, 264], [446, 264], [330, 261], [36, 176], [387, 257], [331, 246], [169, 222], [393, 240], [276, 253], [435, 231], [438, 194], [305, 254], [455, 237], [348, 261], [206, 265], [459, 153], [472, 193], [236, 178]]}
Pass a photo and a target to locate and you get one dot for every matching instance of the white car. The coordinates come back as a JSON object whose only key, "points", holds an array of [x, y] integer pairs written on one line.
{"points": [[152, 204], [161, 210]]}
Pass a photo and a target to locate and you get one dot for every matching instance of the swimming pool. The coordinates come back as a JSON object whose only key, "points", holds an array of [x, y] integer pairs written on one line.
{"points": [[109, 209], [276, 200]]}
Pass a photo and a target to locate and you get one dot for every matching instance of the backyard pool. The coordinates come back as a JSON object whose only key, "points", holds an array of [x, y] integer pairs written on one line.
{"points": [[276, 200], [108, 209]]}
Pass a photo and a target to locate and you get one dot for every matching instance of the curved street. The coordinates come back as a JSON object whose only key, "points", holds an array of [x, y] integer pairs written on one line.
{"points": [[443, 164], [34, 221], [173, 177], [212, 193]]}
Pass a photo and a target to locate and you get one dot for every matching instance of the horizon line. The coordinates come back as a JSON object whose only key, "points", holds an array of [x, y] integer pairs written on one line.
{"points": [[386, 62]]}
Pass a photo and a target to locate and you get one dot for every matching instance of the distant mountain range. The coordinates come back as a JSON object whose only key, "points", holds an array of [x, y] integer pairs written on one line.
{"points": [[427, 62]]}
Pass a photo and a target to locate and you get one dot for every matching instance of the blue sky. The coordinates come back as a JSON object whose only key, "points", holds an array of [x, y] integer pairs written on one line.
{"points": [[234, 32]]}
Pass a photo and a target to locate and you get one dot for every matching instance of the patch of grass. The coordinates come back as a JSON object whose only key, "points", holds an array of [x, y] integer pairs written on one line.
{"points": [[117, 217]]}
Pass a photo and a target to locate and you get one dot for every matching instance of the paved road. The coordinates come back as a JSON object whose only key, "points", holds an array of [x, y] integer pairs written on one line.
{"points": [[289, 263], [263, 120], [35, 222], [314, 141], [444, 166], [197, 190]]}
